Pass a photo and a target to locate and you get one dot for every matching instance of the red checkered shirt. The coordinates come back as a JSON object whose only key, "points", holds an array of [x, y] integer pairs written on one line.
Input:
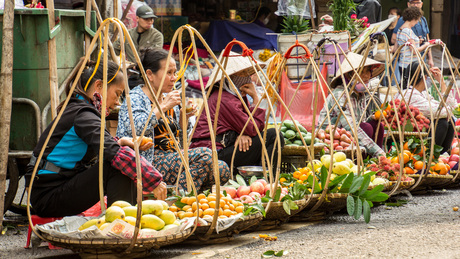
{"points": [[125, 161]]}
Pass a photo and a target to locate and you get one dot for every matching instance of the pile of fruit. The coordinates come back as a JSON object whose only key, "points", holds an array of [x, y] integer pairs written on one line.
{"points": [[206, 207], [342, 139], [388, 168], [257, 189], [416, 123], [292, 137], [155, 216]]}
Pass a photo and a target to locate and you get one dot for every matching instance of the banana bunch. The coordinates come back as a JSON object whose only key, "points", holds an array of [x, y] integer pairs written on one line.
{"points": [[265, 55]]}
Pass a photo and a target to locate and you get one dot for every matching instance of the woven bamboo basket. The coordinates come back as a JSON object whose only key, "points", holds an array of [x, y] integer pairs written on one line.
{"points": [[403, 185], [300, 150], [113, 248], [241, 224], [332, 203], [433, 181], [386, 186], [409, 133]]}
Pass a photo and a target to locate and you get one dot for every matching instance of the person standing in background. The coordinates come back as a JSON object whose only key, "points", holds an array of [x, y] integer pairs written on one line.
{"points": [[369, 8], [420, 29], [263, 16], [143, 35], [393, 12]]}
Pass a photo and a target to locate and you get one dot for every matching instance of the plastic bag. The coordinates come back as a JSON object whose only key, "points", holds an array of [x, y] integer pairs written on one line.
{"points": [[296, 7], [18, 4], [302, 105]]}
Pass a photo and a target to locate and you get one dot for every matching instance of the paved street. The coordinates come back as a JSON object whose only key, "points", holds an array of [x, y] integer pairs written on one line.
{"points": [[426, 227]]}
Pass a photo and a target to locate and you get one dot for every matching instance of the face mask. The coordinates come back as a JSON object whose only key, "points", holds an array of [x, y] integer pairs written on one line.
{"points": [[391, 16], [266, 20], [359, 87]]}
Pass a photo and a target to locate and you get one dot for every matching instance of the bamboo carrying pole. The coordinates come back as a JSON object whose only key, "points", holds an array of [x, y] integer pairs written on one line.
{"points": [[6, 94], [52, 61]]}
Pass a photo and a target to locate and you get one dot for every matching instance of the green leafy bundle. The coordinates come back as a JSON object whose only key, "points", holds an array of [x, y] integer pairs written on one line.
{"points": [[341, 12], [295, 23]]}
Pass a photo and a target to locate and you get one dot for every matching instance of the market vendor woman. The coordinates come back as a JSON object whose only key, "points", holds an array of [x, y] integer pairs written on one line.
{"points": [[67, 179], [358, 105]]}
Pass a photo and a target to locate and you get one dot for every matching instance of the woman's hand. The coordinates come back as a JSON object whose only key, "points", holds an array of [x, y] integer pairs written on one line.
{"points": [[436, 73], [171, 99], [160, 192], [126, 141], [250, 90], [328, 20], [244, 143]]}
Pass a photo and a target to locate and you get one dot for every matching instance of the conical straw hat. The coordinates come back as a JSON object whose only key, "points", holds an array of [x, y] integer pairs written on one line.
{"points": [[355, 61], [235, 64]]}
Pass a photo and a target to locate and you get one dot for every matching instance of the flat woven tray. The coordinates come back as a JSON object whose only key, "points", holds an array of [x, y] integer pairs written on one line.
{"points": [[114, 246], [434, 181], [300, 150], [332, 203], [403, 185], [277, 212], [408, 133], [224, 235]]}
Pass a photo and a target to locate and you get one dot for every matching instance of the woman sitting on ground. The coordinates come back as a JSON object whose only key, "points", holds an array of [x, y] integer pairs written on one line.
{"points": [[418, 96], [360, 98], [67, 179], [232, 117], [164, 156]]}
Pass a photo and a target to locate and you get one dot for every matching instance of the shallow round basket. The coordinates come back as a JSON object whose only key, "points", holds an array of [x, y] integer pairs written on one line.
{"points": [[115, 247], [301, 151], [386, 186], [225, 235], [454, 173], [332, 203], [250, 171], [277, 212], [409, 133], [403, 185], [434, 181]]}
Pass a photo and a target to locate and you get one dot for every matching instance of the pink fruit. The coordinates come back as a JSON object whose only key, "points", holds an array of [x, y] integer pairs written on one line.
{"points": [[445, 160], [454, 157], [452, 164], [284, 190], [255, 195], [257, 187], [246, 199], [243, 190], [264, 183], [231, 191], [267, 188]]}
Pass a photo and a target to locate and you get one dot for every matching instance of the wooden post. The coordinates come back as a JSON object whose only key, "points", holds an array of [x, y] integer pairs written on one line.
{"points": [[52, 61], [115, 8], [125, 13], [312, 19], [6, 94], [87, 23]]}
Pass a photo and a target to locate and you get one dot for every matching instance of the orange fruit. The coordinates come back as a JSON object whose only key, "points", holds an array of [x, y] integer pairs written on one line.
{"points": [[221, 212], [200, 211], [377, 115], [191, 200], [226, 207], [204, 200], [184, 200], [201, 196], [209, 212], [406, 146], [194, 206], [418, 165], [296, 174], [282, 180], [212, 204], [228, 212], [422, 149], [186, 207], [222, 203], [231, 207], [303, 177], [440, 168], [239, 209], [303, 170], [188, 214], [181, 214], [409, 170], [204, 206], [173, 208], [395, 160], [223, 217], [211, 197], [406, 157]]}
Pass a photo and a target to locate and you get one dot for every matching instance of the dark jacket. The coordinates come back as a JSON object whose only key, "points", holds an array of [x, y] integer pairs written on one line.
{"points": [[369, 8], [74, 144]]}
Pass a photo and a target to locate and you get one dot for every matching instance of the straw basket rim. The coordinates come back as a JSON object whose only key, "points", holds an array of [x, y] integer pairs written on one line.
{"points": [[277, 212], [301, 150], [116, 244], [409, 133]]}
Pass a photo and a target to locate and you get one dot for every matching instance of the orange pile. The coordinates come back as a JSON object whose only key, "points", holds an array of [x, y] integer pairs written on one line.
{"points": [[206, 207]]}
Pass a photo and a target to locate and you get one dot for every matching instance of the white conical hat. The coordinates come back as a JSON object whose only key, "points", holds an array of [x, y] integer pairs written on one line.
{"points": [[235, 64], [355, 62]]}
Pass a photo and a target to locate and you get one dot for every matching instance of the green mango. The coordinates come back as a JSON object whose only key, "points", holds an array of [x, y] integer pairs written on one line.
{"points": [[289, 134]]}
